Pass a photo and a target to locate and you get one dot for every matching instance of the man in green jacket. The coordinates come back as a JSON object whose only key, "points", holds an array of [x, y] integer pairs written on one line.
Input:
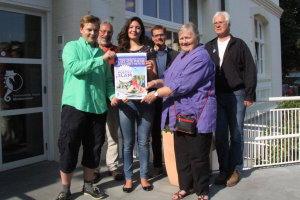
{"points": [[87, 84]]}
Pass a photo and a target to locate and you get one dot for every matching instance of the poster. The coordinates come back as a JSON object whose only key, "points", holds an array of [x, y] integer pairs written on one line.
{"points": [[130, 75]]}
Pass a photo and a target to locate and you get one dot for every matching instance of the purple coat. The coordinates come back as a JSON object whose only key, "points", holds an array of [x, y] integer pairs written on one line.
{"points": [[190, 78]]}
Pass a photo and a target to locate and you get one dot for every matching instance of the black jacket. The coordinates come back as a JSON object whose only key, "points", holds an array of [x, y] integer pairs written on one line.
{"points": [[171, 55], [238, 70]]}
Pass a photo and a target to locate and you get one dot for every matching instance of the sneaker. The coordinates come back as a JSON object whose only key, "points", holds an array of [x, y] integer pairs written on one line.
{"points": [[156, 171], [221, 179], [63, 196], [234, 179], [97, 177], [117, 175], [95, 193]]}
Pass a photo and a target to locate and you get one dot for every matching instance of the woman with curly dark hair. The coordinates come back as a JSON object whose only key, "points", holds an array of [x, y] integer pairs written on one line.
{"points": [[132, 40]]}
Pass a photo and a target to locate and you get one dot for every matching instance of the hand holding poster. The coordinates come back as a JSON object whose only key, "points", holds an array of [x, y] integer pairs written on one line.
{"points": [[130, 75]]}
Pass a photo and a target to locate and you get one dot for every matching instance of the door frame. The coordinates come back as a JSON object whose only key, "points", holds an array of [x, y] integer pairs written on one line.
{"points": [[43, 61]]}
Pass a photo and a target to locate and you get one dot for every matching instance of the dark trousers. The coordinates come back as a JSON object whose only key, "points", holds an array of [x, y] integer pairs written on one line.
{"points": [[192, 160], [78, 127], [156, 135]]}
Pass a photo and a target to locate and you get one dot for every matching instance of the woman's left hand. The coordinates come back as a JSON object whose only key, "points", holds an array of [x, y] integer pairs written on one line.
{"points": [[149, 64], [149, 98]]}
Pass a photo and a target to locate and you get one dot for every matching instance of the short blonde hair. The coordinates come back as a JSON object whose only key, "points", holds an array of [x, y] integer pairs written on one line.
{"points": [[89, 19], [190, 27]]}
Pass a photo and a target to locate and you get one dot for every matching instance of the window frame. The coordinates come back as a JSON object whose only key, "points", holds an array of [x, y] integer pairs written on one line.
{"points": [[259, 47], [156, 20]]}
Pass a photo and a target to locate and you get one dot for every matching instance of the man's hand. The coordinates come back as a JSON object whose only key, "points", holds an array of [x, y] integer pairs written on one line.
{"points": [[248, 103], [109, 55]]}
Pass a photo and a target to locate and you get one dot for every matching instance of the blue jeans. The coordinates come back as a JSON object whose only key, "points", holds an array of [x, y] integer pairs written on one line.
{"points": [[142, 114], [231, 114]]}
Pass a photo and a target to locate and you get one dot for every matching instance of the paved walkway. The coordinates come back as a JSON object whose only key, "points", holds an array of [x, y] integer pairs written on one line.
{"points": [[41, 181]]}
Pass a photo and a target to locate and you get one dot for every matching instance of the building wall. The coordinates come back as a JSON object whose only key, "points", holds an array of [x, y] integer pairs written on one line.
{"points": [[62, 19], [113, 11], [66, 24]]}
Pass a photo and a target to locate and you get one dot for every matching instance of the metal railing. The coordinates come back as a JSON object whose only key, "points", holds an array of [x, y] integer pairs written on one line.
{"points": [[272, 137]]}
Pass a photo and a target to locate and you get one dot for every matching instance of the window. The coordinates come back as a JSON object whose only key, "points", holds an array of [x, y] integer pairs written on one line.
{"points": [[130, 5], [193, 11], [171, 38], [150, 8], [165, 10], [259, 46], [169, 10], [178, 11], [169, 13]]}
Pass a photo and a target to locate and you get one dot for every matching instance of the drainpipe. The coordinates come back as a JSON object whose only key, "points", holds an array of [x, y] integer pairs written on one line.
{"points": [[222, 5]]}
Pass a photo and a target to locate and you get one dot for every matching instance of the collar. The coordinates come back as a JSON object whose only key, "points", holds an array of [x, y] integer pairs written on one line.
{"points": [[165, 50], [110, 47], [83, 41]]}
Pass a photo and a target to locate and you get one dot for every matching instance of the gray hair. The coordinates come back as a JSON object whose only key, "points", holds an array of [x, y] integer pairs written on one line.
{"points": [[108, 23], [225, 14], [190, 27]]}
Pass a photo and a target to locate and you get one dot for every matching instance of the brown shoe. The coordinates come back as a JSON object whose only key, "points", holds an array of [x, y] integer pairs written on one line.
{"points": [[221, 179], [234, 179], [116, 174]]}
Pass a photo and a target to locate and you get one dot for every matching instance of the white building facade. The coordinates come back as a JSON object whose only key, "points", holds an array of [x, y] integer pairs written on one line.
{"points": [[33, 34]]}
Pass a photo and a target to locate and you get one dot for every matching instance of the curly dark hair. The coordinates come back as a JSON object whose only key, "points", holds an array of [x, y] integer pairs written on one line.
{"points": [[123, 39]]}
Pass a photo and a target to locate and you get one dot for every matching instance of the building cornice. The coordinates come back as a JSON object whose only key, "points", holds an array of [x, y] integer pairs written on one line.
{"points": [[270, 6]]}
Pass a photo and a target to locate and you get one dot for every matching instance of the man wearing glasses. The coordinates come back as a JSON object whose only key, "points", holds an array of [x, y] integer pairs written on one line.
{"points": [[112, 123], [235, 89], [164, 58]]}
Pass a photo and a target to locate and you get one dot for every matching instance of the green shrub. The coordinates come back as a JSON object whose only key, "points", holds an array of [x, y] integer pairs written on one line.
{"points": [[289, 104]]}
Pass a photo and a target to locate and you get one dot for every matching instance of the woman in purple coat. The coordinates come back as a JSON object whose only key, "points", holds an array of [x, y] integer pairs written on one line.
{"points": [[187, 84]]}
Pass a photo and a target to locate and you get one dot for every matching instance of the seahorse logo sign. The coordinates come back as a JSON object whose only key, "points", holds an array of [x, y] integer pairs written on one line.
{"points": [[13, 82]]}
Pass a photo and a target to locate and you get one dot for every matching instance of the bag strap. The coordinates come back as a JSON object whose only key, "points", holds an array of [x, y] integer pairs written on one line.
{"points": [[201, 109]]}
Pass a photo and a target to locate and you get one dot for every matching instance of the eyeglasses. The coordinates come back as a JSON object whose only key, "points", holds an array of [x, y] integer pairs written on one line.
{"points": [[159, 35], [105, 31]]}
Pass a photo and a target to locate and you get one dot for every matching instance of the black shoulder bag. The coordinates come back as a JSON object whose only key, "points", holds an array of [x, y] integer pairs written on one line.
{"points": [[186, 124]]}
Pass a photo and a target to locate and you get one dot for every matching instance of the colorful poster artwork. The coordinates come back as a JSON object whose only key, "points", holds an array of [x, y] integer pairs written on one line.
{"points": [[130, 75]]}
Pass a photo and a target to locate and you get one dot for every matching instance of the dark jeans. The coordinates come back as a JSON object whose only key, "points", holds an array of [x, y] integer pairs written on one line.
{"points": [[192, 160], [156, 135], [80, 127], [231, 114]]}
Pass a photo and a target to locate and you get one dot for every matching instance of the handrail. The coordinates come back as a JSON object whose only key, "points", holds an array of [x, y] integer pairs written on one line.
{"points": [[286, 98]]}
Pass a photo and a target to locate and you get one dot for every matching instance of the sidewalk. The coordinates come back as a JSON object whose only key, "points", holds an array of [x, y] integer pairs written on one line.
{"points": [[41, 182]]}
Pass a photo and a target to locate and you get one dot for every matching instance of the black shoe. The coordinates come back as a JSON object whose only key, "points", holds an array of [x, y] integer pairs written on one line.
{"points": [[64, 196], [148, 188], [95, 193], [97, 177], [117, 175], [127, 190]]}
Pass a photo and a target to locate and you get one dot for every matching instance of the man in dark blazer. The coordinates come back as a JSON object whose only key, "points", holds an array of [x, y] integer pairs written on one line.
{"points": [[164, 58]]}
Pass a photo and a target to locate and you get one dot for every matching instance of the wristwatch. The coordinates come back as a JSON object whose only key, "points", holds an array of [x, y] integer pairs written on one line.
{"points": [[156, 93]]}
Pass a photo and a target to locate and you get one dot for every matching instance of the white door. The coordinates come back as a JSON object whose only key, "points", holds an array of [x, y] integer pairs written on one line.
{"points": [[22, 110]]}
